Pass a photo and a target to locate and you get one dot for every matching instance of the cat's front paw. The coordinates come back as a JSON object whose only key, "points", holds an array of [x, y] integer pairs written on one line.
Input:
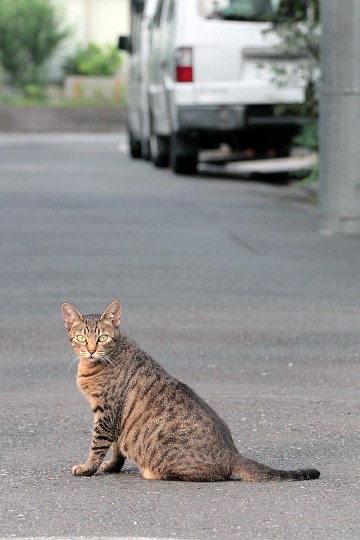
{"points": [[111, 466], [82, 470]]}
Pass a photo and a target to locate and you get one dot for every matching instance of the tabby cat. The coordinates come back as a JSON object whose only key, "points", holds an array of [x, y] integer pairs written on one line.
{"points": [[148, 416]]}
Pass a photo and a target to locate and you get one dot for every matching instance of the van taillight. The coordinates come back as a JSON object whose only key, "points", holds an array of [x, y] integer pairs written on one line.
{"points": [[184, 67]]}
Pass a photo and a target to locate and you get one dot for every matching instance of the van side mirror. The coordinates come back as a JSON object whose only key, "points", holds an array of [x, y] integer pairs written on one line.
{"points": [[137, 6], [125, 44]]}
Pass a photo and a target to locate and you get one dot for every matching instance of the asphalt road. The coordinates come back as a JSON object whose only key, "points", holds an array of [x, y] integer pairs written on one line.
{"points": [[228, 284]]}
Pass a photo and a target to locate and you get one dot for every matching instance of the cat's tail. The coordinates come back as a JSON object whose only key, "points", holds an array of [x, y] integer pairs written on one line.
{"points": [[252, 471]]}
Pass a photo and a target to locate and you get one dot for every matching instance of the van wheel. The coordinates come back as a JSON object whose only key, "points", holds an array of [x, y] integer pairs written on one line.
{"points": [[145, 149], [283, 150], [134, 147], [159, 150], [183, 156], [184, 164]]}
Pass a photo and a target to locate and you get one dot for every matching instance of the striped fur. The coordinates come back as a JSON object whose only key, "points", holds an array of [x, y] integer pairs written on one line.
{"points": [[147, 415]]}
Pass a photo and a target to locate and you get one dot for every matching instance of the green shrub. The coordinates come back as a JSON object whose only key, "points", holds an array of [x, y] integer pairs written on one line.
{"points": [[34, 91], [93, 60], [30, 32], [309, 136]]}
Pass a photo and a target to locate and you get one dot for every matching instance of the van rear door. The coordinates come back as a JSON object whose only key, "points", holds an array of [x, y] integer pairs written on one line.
{"points": [[236, 55]]}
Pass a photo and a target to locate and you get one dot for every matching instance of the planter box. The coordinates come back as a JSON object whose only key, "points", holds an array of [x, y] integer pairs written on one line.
{"points": [[85, 87]]}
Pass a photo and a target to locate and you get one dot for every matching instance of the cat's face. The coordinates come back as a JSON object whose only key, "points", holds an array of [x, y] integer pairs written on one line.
{"points": [[93, 337]]}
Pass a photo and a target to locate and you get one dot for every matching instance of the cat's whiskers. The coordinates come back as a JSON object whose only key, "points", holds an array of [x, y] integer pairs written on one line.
{"points": [[108, 360], [73, 362]]}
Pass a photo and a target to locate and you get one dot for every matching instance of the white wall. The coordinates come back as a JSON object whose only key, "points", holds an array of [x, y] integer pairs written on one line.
{"points": [[96, 20]]}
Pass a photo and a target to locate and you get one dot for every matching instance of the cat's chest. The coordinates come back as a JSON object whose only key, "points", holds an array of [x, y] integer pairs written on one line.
{"points": [[91, 383]]}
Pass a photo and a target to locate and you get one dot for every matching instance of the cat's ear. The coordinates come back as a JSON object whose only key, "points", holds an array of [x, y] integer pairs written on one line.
{"points": [[112, 313], [70, 315]]}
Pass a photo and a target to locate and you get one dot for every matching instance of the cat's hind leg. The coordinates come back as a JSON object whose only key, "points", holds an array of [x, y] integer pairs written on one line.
{"points": [[201, 473], [115, 464], [148, 474]]}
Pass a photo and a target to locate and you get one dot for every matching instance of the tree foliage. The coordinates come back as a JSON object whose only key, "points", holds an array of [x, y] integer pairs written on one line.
{"points": [[298, 26], [297, 10], [30, 32]]}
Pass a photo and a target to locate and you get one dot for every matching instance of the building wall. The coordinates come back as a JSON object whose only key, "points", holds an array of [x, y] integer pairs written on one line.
{"points": [[96, 20]]}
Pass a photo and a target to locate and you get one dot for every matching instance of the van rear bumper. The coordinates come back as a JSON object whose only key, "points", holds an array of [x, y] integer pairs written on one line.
{"points": [[232, 117]]}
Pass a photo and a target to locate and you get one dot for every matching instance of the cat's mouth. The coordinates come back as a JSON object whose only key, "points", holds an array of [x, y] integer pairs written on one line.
{"points": [[96, 358], [90, 358]]}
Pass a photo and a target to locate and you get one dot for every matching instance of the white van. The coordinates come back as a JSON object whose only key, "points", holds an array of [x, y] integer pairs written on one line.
{"points": [[210, 70], [138, 46]]}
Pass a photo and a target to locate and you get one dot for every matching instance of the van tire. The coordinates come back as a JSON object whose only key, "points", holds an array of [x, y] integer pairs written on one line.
{"points": [[183, 156], [184, 164], [134, 147], [159, 150], [145, 149], [283, 150]]}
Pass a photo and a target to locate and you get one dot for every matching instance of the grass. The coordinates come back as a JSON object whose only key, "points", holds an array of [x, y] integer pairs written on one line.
{"points": [[53, 97], [63, 102]]}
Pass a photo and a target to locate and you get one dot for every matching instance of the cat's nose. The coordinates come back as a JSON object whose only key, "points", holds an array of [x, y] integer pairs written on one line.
{"points": [[91, 349]]}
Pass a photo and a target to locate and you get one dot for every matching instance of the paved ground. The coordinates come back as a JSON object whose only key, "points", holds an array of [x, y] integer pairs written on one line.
{"points": [[228, 284]]}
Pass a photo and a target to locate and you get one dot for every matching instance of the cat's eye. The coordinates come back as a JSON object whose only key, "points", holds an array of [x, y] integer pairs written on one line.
{"points": [[81, 338], [103, 338]]}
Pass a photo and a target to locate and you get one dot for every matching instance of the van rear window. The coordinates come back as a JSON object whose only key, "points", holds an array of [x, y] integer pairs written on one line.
{"points": [[244, 10]]}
